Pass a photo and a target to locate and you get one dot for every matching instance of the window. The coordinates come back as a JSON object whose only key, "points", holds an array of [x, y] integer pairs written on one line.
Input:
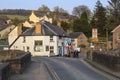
{"points": [[51, 49], [118, 35], [51, 38], [47, 48], [38, 46], [24, 39], [28, 48]]}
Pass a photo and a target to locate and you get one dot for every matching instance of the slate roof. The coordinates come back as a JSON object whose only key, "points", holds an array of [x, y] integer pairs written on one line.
{"points": [[75, 35], [47, 29], [24, 28], [3, 25]]}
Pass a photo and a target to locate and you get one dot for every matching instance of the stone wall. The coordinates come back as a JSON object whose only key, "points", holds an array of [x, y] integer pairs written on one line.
{"points": [[108, 60]]}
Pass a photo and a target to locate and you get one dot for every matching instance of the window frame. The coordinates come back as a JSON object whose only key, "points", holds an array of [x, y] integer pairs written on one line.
{"points": [[38, 45], [47, 48], [51, 49], [51, 38], [24, 39]]}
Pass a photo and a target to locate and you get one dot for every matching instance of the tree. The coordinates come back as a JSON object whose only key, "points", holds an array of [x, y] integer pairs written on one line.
{"points": [[65, 26], [113, 10], [99, 18], [59, 10], [16, 21], [44, 8], [77, 11], [82, 24]]}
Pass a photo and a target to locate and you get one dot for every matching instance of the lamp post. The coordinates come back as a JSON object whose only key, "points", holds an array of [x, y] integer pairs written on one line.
{"points": [[107, 39]]}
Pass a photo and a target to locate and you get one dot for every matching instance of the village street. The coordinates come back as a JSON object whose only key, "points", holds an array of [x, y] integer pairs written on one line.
{"points": [[64, 68]]}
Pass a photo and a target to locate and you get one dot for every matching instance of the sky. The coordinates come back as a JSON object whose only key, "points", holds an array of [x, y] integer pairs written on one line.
{"points": [[35, 4]]}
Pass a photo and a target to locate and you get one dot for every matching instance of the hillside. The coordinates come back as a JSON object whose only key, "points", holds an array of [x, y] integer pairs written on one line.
{"points": [[20, 17]]}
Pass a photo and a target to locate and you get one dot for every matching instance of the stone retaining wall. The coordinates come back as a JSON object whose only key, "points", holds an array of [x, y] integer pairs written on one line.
{"points": [[4, 71], [111, 61]]}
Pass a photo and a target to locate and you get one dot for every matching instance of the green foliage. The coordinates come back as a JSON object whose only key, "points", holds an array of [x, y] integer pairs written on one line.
{"points": [[14, 16], [16, 21], [99, 19], [65, 25], [3, 43], [113, 17], [82, 25]]}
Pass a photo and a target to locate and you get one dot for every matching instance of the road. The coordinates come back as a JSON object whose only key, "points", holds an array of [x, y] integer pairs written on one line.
{"points": [[72, 69], [65, 68]]}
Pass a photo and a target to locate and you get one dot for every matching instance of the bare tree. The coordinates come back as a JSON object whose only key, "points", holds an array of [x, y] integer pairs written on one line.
{"points": [[77, 11], [59, 10], [44, 8]]}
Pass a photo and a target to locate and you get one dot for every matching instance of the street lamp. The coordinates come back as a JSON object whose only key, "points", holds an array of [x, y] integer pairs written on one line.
{"points": [[107, 39]]}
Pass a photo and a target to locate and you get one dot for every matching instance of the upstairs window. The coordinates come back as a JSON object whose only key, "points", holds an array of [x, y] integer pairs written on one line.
{"points": [[24, 39], [51, 38]]}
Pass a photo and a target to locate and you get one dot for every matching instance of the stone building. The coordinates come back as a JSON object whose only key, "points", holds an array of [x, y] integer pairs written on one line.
{"points": [[116, 37]]}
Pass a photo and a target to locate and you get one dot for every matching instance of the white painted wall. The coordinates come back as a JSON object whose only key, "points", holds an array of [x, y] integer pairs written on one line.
{"points": [[30, 43], [12, 35]]}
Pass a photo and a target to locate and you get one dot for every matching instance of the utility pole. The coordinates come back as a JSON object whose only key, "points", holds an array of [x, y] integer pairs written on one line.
{"points": [[107, 39]]}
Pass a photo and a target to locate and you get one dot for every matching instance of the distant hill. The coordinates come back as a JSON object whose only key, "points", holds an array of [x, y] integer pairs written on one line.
{"points": [[23, 14]]}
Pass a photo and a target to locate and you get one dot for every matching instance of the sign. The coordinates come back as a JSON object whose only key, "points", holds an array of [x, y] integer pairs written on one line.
{"points": [[94, 35], [94, 32], [95, 39]]}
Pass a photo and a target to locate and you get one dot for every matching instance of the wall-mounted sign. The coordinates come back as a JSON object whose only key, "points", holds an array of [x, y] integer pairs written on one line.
{"points": [[94, 35]]}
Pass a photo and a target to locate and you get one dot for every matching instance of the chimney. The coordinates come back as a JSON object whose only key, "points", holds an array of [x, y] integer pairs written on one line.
{"points": [[38, 28], [19, 28]]}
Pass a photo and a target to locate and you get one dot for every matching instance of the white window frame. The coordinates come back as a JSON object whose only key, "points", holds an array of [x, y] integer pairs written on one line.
{"points": [[38, 47]]}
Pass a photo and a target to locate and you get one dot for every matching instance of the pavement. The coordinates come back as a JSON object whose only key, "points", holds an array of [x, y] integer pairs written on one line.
{"points": [[36, 71], [103, 69]]}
